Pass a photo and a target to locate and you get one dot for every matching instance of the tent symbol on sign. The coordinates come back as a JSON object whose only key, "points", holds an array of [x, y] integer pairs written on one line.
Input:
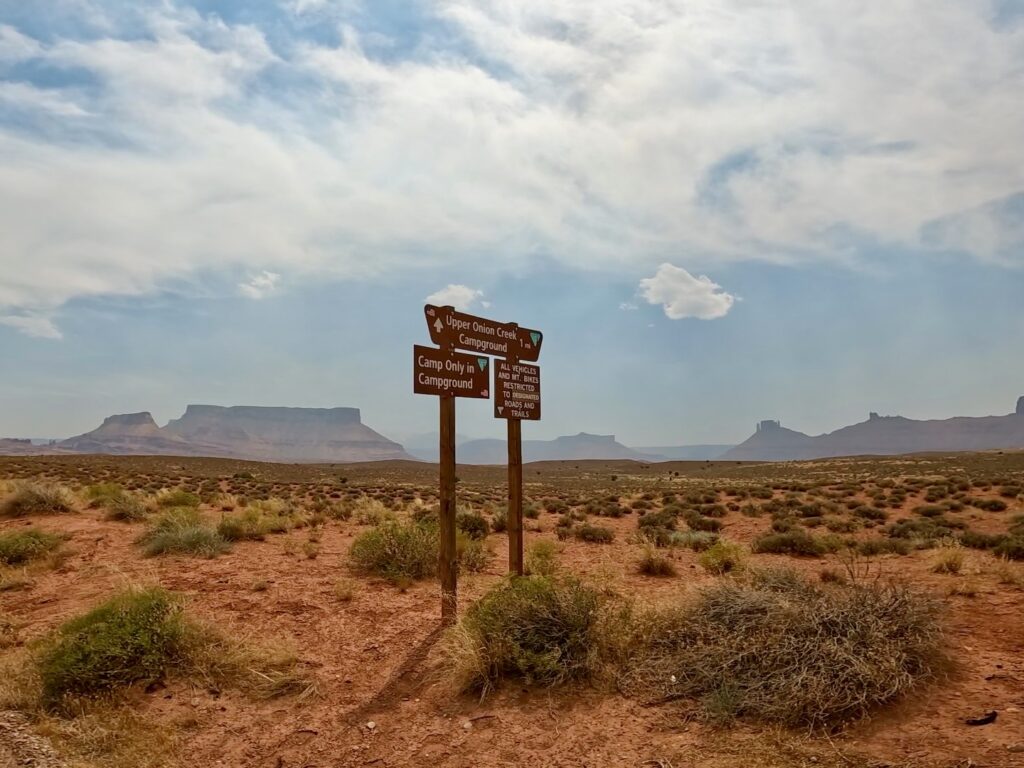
{"points": [[482, 362]]}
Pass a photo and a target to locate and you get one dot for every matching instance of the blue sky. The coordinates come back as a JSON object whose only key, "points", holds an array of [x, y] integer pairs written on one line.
{"points": [[716, 212]]}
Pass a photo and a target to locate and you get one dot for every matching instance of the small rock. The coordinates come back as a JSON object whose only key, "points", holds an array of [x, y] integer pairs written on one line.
{"points": [[467, 726], [1017, 749], [988, 717], [371, 725]]}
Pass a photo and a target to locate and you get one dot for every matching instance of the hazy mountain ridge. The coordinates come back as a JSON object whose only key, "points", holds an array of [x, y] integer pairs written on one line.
{"points": [[565, 448], [885, 435]]}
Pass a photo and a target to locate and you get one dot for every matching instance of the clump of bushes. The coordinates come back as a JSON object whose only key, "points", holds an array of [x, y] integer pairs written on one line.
{"points": [[182, 531], [871, 547], [253, 524], [654, 564], [397, 550], [1010, 548], [178, 497], [143, 635], [596, 534], [125, 506], [795, 542], [990, 505], [535, 628], [777, 648], [473, 554], [698, 541], [20, 547], [472, 524], [541, 558], [136, 636], [723, 556], [768, 645], [38, 499]]}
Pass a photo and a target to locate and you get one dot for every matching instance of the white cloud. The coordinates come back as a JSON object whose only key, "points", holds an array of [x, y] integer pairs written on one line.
{"points": [[261, 285], [683, 295], [33, 325], [628, 306], [605, 136], [459, 296]]}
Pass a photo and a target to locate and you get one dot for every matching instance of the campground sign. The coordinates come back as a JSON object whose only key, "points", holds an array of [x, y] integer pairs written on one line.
{"points": [[447, 372]]}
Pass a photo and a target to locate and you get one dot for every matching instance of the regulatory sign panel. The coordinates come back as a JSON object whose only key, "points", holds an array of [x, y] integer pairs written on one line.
{"points": [[449, 328], [516, 391], [437, 372]]}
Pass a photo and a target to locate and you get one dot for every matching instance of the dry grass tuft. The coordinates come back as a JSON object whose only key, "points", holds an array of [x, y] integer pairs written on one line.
{"points": [[38, 499], [777, 648]]}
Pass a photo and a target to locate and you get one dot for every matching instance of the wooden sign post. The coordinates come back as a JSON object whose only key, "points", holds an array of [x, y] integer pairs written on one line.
{"points": [[449, 374], [516, 397]]}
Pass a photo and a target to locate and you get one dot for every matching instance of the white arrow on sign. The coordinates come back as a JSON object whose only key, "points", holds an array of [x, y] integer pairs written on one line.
{"points": [[439, 325], [500, 409]]}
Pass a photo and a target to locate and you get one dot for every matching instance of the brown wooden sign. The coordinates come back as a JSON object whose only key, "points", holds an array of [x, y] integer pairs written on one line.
{"points": [[450, 328], [516, 391], [453, 374]]}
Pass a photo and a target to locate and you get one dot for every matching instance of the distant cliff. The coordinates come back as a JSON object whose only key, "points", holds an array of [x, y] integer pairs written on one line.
{"points": [[885, 435], [243, 432], [569, 447]]}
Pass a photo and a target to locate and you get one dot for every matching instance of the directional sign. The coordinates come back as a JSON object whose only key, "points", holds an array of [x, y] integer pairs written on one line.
{"points": [[516, 391], [438, 372], [449, 328]]}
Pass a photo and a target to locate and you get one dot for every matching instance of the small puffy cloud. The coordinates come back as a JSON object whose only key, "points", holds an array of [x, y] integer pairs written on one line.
{"points": [[459, 296], [628, 306], [33, 325], [261, 285], [683, 295]]}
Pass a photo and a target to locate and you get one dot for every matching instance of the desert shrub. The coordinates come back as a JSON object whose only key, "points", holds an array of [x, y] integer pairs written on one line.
{"points": [[181, 531], [38, 499], [780, 649], [125, 506], [531, 511], [870, 547], [425, 514], [472, 524], [654, 564], [101, 494], [723, 556], [473, 554], [135, 636], [978, 540], [144, 635], [535, 628], [541, 558], [252, 525], [696, 522], [661, 519], [1011, 548], [178, 497], [596, 534], [929, 510], [396, 549], [1010, 491], [926, 528], [20, 547], [870, 513], [949, 559], [990, 505], [499, 521], [698, 541], [841, 524], [797, 542]]}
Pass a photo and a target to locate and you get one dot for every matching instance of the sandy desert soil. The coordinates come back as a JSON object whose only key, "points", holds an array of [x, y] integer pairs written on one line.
{"points": [[373, 656]]}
